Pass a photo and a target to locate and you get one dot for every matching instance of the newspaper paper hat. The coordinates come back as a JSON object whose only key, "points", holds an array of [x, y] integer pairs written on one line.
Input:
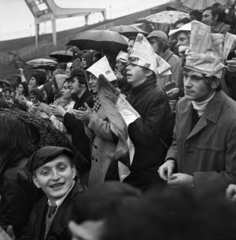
{"points": [[143, 55], [122, 56], [102, 67], [201, 56]]}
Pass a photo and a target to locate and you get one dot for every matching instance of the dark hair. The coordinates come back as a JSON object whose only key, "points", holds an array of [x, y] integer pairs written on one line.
{"points": [[183, 20], [217, 10], [132, 38], [197, 14], [25, 86], [40, 79], [62, 66], [37, 94], [162, 44], [15, 136], [97, 55]]}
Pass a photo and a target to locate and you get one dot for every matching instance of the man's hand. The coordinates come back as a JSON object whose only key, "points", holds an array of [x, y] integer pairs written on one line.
{"points": [[231, 192], [173, 93], [118, 74], [84, 116], [231, 65], [57, 110], [165, 170], [181, 180]]}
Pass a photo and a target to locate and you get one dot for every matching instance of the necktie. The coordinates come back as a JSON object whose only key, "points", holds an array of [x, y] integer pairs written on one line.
{"points": [[52, 210]]}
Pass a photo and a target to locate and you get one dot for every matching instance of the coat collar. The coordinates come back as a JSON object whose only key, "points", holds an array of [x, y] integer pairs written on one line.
{"points": [[211, 113], [144, 85]]}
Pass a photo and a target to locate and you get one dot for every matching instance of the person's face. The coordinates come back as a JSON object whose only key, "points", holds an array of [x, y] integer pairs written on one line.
{"points": [[135, 74], [32, 82], [66, 90], [20, 89], [55, 178], [93, 81], [195, 87], [33, 99], [84, 63], [183, 39], [208, 19], [130, 46], [7, 94], [76, 87], [91, 230], [154, 43], [120, 65]]}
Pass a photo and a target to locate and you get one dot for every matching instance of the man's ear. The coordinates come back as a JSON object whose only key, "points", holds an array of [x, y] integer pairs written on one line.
{"points": [[215, 83], [35, 181], [148, 73], [73, 171], [216, 17]]}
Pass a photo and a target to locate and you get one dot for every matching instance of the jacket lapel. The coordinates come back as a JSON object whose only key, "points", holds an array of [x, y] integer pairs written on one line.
{"points": [[211, 113]]}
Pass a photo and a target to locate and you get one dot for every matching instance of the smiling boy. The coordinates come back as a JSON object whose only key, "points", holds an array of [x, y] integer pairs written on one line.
{"points": [[54, 172]]}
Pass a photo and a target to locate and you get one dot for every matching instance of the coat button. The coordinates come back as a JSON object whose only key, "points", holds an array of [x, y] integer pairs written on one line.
{"points": [[95, 146], [96, 160]]}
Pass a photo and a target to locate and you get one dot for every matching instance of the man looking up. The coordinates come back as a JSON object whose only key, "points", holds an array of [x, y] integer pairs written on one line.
{"points": [[153, 127]]}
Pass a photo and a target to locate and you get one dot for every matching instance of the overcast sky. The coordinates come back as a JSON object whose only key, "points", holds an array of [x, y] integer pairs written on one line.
{"points": [[17, 19]]}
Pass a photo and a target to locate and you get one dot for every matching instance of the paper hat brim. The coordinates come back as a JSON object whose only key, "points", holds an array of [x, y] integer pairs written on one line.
{"points": [[185, 28]]}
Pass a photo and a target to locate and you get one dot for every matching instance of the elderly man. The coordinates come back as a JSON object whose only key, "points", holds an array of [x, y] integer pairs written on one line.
{"points": [[202, 155], [153, 127]]}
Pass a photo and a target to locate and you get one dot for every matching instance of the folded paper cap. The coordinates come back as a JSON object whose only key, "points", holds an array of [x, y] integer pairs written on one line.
{"points": [[45, 155], [203, 63], [185, 28], [158, 34], [122, 56], [79, 74], [143, 55], [102, 67]]}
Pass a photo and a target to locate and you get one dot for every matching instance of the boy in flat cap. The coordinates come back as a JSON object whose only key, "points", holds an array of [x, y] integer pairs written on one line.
{"points": [[54, 172]]}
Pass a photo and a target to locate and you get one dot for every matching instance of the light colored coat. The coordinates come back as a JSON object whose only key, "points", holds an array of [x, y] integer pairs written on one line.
{"points": [[103, 147], [208, 152]]}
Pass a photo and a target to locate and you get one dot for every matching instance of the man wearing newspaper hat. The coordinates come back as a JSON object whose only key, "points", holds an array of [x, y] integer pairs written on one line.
{"points": [[150, 132], [203, 154]]}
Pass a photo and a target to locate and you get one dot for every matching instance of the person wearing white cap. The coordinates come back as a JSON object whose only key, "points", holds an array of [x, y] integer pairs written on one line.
{"points": [[120, 70], [104, 124], [203, 154], [160, 43], [152, 129]]}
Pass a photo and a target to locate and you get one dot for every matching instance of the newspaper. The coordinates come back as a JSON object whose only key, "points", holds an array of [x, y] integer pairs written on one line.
{"points": [[217, 45], [200, 38], [143, 55], [129, 115], [229, 45]]}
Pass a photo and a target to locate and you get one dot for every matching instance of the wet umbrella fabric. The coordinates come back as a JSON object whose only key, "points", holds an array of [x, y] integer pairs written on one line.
{"points": [[62, 56], [99, 40], [41, 62], [128, 30]]}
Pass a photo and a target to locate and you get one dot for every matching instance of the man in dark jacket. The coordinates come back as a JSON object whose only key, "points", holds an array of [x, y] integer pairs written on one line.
{"points": [[74, 126], [54, 172], [152, 131]]}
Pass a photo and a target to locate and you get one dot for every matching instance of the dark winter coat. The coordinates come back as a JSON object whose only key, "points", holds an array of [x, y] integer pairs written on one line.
{"points": [[149, 132], [58, 229]]}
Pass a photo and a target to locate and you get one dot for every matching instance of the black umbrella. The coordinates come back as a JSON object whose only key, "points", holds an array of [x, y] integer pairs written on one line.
{"points": [[128, 30], [100, 40], [62, 56]]}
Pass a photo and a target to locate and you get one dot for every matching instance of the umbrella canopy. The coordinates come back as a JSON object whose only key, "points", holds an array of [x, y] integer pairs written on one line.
{"points": [[190, 5], [62, 56], [128, 30], [41, 62], [99, 40], [168, 17]]}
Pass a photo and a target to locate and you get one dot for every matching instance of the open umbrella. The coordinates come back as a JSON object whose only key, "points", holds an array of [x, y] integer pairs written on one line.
{"points": [[41, 62], [190, 5], [168, 17], [128, 30], [62, 56], [100, 40]]}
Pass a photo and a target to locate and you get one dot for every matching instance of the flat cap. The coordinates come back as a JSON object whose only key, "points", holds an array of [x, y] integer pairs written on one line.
{"points": [[78, 73], [159, 34], [45, 155]]}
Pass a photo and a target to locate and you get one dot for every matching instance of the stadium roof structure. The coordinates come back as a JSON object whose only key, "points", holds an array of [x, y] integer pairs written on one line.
{"points": [[47, 10]]}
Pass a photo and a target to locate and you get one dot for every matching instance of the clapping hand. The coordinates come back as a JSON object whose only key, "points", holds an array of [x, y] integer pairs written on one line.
{"points": [[57, 110], [83, 114]]}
